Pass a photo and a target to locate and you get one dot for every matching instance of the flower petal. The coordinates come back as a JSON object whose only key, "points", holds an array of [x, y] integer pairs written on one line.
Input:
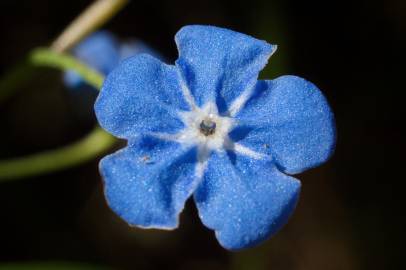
{"points": [[99, 51], [148, 182], [141, 95], [289, 119], [217, 64], [244, 200]]}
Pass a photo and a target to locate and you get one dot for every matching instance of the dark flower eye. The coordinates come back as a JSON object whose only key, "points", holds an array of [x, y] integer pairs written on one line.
{"points": [[207, 127]]}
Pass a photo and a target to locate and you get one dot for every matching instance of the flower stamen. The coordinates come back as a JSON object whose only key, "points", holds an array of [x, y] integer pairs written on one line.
{"points": [[207, 127]]}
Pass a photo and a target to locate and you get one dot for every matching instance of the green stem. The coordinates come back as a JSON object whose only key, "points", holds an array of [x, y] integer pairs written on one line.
{"points": [[48, 58], [98, 13], [89, 147], [95, 143], [21, 74]]}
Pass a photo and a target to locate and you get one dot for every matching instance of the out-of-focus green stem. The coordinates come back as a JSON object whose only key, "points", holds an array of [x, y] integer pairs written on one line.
{"points": [[95, 143], [99, 12], [93, 17], [46, 58], [49, 58]]}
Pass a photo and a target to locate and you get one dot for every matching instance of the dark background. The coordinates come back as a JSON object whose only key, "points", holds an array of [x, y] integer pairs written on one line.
{"points": [[350, 215]]}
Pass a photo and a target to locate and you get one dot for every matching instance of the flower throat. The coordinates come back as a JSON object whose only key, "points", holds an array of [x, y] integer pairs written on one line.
{"points": [[207, 127]]}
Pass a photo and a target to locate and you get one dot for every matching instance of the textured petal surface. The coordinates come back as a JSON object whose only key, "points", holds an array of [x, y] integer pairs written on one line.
{"points": [[141, 95], [99, 51], [244, 200], [148, 182], [219, 64], [289, 119]]}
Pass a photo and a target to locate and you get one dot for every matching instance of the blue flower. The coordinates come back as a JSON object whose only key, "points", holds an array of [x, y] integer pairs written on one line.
{"points": [[103, 52], [207, 127]]}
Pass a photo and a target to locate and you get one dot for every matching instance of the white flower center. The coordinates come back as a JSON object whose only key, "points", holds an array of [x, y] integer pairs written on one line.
{"points": [[205, 127], [208, 130]]}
